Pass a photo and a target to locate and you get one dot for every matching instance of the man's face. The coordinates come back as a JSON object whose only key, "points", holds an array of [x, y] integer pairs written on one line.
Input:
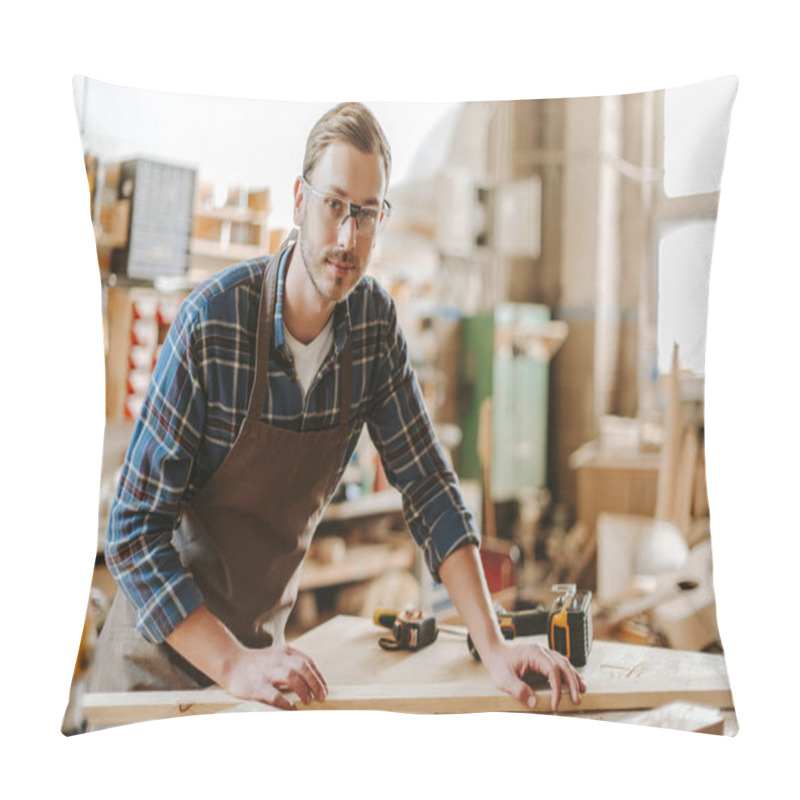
{"points": [[336, 256]]}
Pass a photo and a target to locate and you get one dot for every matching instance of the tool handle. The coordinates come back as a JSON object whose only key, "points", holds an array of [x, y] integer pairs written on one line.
{"points": [[525, 623], [384, 617]]}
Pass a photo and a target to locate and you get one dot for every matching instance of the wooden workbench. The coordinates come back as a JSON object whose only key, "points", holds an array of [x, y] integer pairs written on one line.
{"points": [[444, 678]]}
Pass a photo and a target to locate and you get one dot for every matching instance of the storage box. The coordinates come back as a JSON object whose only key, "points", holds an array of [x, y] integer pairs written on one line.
{"points": [[160, 225]]}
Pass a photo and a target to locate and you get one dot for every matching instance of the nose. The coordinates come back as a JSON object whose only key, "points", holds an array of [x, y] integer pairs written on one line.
{"points": [[347, 232]]}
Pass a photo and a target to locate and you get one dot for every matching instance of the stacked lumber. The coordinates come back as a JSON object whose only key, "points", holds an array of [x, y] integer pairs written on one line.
{"points": [[681, 496], [675, 604]]}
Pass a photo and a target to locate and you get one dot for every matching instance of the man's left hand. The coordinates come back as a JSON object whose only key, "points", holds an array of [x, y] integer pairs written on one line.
{"points": [[509, 662]]}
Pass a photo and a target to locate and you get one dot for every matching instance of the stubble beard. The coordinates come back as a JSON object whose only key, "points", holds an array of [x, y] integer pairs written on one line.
{"points": [[337, 289]]}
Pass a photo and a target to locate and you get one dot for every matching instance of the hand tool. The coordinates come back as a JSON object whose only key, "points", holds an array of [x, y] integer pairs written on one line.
{"points": [[411, 630], [567, 623]]}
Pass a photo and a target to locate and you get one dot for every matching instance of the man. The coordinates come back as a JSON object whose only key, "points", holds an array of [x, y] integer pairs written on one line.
{"points": [[268, 374]]}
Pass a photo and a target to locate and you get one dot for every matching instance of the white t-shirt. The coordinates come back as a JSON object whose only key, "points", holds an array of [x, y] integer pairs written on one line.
{"points": [[308, 358]]}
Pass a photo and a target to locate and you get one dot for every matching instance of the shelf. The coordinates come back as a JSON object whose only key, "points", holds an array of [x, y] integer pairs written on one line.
{"points": [[592, 456], [235, 252], [159, 283], [388, 501], [360, 563], [235, 230], [232, 214]]}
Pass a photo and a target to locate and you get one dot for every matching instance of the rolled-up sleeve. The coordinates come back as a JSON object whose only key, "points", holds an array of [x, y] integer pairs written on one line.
{"points": [[401, 430], [165, 440]]}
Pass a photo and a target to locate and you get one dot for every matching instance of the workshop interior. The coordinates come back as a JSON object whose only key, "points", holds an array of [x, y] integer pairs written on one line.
{"points": [[549, 260]]}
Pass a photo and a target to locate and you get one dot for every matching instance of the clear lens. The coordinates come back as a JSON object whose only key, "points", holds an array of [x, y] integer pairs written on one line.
{"points": [[368, 219]]}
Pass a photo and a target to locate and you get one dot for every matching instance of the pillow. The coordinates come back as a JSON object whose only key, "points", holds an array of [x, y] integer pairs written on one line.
{"points": [[549, 262]]}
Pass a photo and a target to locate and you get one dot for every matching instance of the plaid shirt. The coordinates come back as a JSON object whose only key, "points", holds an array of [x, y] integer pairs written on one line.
{"points": [[196, 404]]}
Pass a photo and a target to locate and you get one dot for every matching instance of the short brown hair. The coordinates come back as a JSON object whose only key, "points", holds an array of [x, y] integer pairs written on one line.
{"points": [[353, 123]]}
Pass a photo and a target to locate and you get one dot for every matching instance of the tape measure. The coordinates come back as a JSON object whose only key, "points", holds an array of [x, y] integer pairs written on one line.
{"points": [[411, 630]]}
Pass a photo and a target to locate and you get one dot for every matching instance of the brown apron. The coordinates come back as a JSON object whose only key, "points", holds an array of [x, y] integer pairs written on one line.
{"points": [[243, 536]]}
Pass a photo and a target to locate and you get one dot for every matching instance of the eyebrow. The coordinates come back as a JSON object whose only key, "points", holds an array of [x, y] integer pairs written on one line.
{"points": [[373, 201]]}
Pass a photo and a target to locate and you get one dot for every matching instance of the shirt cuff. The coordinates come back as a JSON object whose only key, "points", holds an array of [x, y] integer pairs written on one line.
{"points": [[447, 535], [167, 609]]}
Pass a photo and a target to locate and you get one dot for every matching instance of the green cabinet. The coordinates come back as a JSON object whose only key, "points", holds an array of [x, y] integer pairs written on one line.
{"points": [[502, 358]]}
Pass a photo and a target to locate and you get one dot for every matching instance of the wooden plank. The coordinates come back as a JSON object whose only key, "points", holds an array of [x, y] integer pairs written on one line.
{"points": [[700, 495], [685, 480], [671, 448], [653, 718], [444, 678], [489, 520], [682, 717], [121, 708], [414, 698], [617, 675]]}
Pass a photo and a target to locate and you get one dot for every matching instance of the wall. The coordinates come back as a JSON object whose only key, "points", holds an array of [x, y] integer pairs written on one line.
{"points": [[240, 141]]}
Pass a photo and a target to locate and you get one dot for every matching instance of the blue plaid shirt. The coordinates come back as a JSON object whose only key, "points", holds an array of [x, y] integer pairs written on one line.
{"points": [[196, 404]]}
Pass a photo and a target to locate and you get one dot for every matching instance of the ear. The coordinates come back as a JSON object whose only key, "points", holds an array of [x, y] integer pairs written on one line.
{"points": [[299, 196]]}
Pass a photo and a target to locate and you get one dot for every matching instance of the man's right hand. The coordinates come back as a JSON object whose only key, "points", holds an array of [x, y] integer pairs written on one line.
{"points": [[252, 674], [263, 675]]}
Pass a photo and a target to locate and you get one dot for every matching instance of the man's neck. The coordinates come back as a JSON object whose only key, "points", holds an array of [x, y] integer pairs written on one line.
{"points": [[305, 311]]}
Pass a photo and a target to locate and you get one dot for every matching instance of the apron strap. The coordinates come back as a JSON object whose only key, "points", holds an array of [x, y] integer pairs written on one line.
{"points": [[264, 338], [346, 394], [266, 315]]}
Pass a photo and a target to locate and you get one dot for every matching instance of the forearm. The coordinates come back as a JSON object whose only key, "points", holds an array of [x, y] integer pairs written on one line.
{"points": [[204, 641], [462, 574], [261, 674]]}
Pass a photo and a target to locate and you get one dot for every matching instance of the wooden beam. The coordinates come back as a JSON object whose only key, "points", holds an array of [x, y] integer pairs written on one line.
{"points": [[671, 448], [117, 708], [681, 717], [489, 527], [685, 480], [120, 708], [444, 679]]}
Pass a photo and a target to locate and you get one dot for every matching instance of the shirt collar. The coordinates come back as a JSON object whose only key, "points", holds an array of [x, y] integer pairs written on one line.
{"points": [[341, 311]]}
